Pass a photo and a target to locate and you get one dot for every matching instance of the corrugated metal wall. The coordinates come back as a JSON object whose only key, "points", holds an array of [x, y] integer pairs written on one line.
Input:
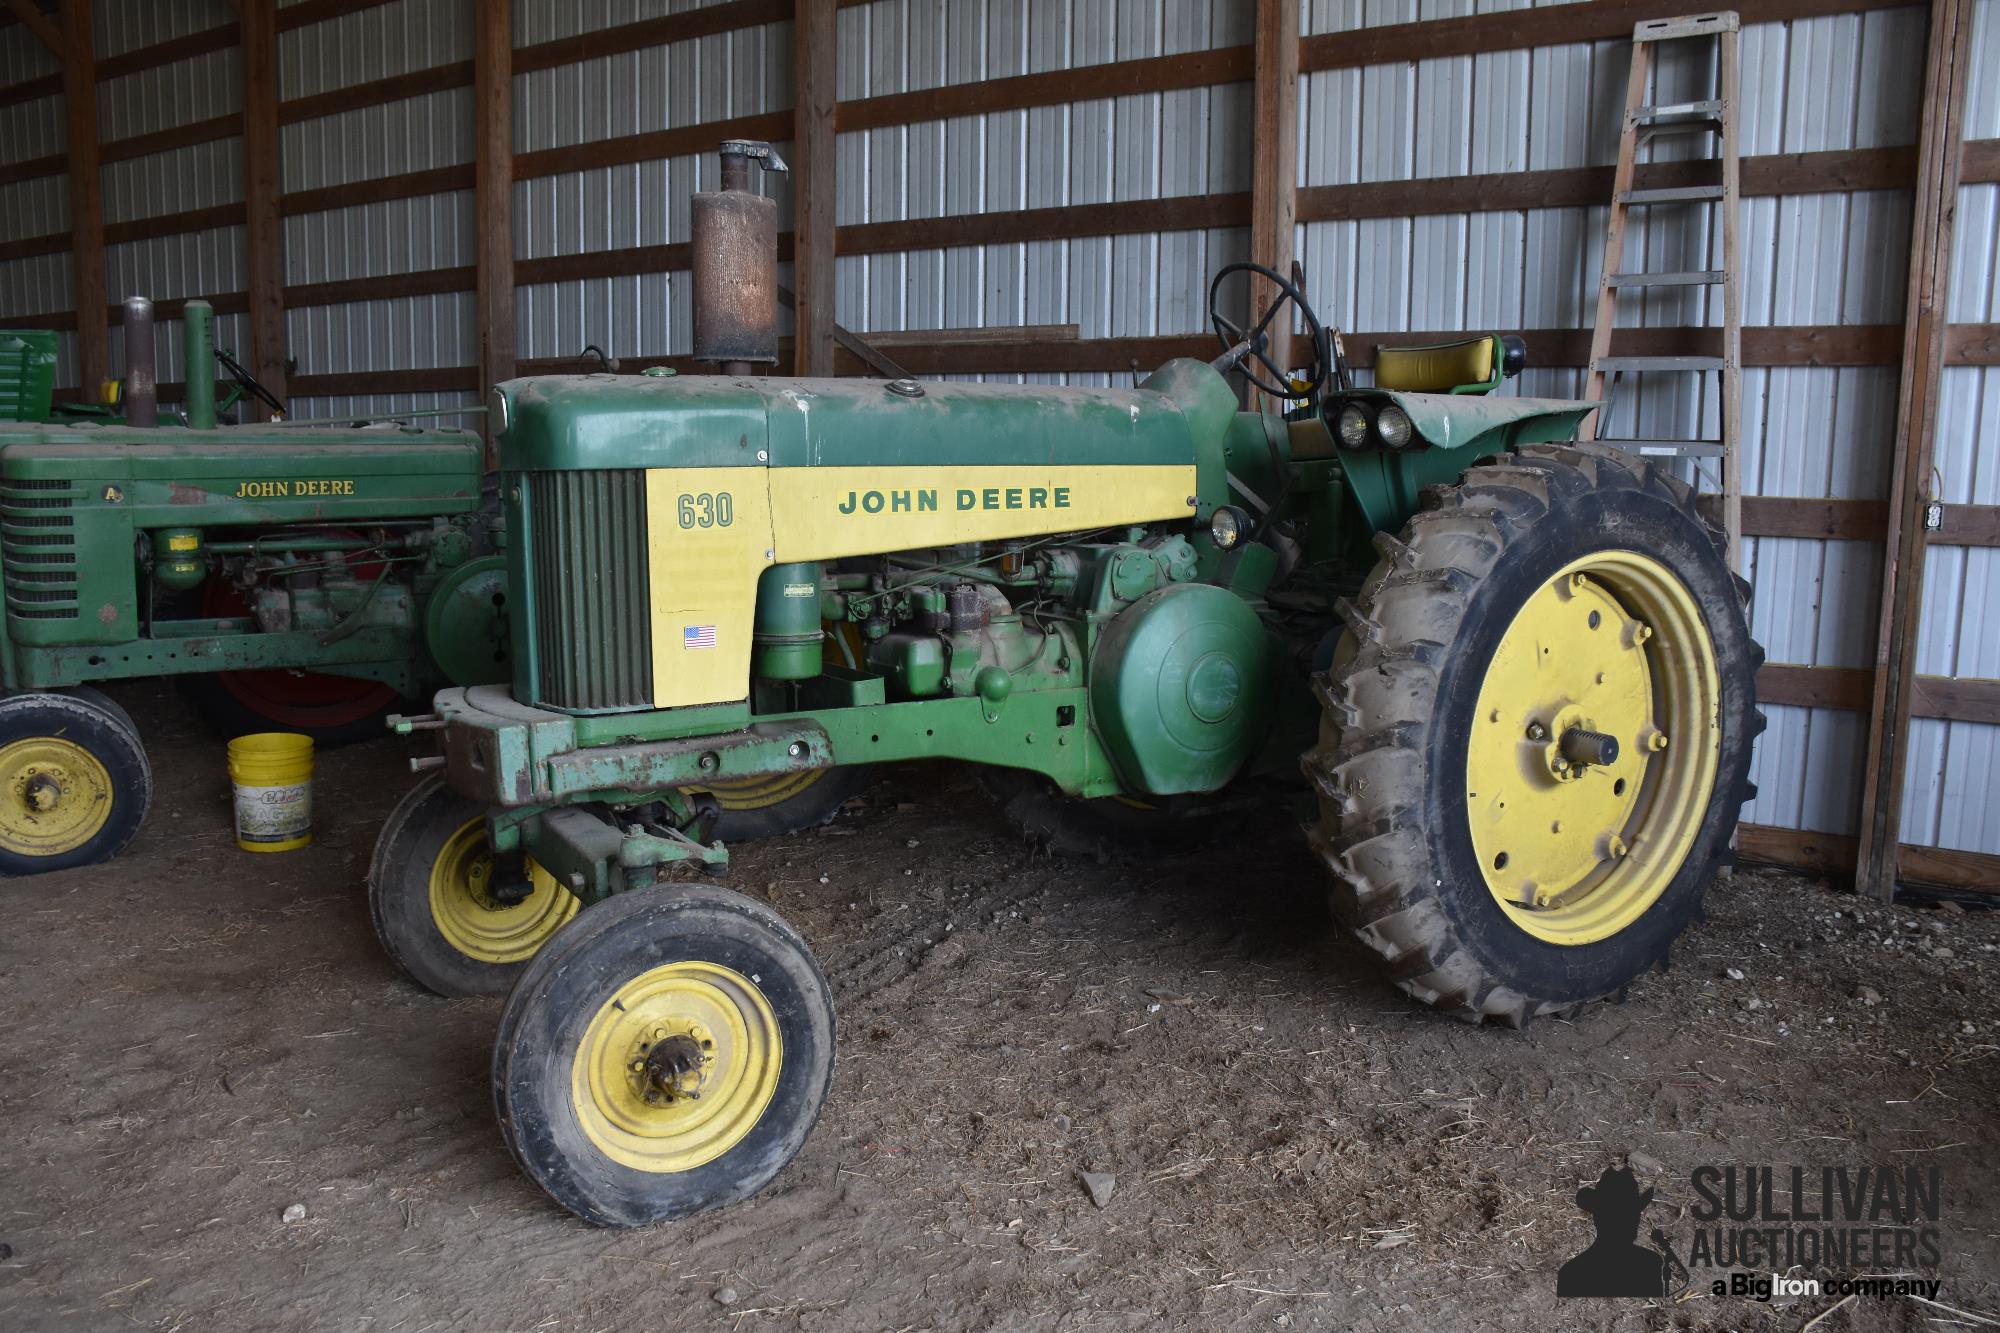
{"points": [[1148, 146], [692, 82], [389, 237], [37, 284], [1845, 81], [1955, 766]]}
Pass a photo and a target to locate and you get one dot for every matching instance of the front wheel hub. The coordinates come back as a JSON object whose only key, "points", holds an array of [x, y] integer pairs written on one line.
{"points": [[42, 792], [674, 1069]]}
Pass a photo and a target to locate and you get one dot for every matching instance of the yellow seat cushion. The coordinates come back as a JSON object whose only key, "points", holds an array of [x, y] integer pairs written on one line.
{"points": [[1436, 368]]}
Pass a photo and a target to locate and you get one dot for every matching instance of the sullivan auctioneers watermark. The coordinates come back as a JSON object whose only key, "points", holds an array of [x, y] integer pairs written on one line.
{"points": [[1853, 1230]]}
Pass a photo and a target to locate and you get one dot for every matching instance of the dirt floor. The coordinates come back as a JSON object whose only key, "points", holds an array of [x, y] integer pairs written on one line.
{"points": [[197, 1039]]}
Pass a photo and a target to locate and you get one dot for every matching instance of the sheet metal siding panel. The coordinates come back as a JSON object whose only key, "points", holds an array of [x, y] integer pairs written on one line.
{"points": [[691, 82], [23, 57], [1955, 766], [396, 236], [1837, 82], [29, 130], [119, 26], [379, 42], [1139, 147]]}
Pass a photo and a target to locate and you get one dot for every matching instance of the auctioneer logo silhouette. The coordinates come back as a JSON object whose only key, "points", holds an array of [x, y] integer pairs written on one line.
{"points": [[1615, 1264]]}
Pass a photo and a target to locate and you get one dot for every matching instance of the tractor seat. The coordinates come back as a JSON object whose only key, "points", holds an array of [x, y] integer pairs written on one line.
{"points": [[1470, 366]]}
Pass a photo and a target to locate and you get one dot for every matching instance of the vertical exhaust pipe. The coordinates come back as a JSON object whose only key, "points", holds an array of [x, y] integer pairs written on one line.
{"points": [[142, 385], [735, 241]]}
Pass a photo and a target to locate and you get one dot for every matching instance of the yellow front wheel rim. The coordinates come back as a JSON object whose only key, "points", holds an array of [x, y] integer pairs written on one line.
{"points": [[759, 793], [473, 921], [1613, 644], [677, 1067], [55, 796]]}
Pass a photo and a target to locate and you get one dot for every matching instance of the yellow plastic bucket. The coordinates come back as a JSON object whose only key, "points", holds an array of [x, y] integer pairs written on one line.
{"points": [[272, 773]]}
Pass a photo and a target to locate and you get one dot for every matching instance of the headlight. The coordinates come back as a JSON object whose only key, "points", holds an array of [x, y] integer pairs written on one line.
{"points": [[1226, 527], [1393, 424], [1353, 426]]}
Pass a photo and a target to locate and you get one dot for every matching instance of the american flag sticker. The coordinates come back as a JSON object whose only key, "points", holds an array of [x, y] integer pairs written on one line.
{"points": [[698, 636]]}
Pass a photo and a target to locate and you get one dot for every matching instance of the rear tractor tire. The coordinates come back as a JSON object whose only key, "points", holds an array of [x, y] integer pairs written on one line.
{"points": [[667, 1053], [1536, 739], [437, 908], [75, 783]]}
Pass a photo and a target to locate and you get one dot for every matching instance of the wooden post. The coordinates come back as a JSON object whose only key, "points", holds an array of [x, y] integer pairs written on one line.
{"points": [[1939, 155], [1274, 132], [263, 232], [86, 196], [813, 184], [493, 192]]}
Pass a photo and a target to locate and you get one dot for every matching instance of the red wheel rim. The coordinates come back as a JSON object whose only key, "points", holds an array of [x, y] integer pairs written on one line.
{"points": [[296, 699]]}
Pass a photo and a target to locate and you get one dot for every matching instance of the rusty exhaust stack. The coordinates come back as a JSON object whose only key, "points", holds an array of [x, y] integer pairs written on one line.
{"points": [[142, 385], [735, 241]]}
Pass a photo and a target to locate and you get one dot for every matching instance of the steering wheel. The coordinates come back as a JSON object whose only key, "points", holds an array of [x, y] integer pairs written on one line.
{"points": [[1230, 335], [248, 383]]}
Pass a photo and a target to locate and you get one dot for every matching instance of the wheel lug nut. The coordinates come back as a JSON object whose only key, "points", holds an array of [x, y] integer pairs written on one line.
{"points": [[1657, 741], [1642, 633], [1536, 732]]}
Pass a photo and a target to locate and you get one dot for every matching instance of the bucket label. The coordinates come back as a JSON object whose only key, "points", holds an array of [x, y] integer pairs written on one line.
{"points": [[274, 814]]}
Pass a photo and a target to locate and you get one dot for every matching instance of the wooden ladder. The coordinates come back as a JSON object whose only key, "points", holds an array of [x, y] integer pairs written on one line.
{"points": [[1714, 120]]}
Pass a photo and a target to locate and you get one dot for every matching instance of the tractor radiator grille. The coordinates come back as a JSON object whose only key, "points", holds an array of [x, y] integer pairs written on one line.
{"points": [[593, 620], [38, 547]]}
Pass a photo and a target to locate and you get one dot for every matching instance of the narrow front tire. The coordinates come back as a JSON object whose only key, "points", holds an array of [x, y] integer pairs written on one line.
{"points": [[667, 1053]]}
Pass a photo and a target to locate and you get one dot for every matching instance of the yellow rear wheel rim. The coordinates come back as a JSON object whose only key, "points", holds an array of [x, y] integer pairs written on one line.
{"points": [[472, 921], [1614, 643], [54, 796], [760, 793], [636, 1108]]}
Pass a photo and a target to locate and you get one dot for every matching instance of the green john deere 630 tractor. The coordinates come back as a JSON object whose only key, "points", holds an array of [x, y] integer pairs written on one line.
{"points": [[1514, 671]]}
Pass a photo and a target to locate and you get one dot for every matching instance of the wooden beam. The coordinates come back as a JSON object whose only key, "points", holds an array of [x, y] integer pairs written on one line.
{"points": [[707, 21], [493, 191], [1274, 147], [1851, 689], [1514, 30], [35, 21], [263, 185], [86, 196], [1855, 520], [1939, 151], [1833, 855], [814, 185], [1124, 78]]}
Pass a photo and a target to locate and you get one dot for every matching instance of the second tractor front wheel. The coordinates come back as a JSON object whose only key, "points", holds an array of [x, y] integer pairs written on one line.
{"points": [[75, 783], [444, 909], [1536, 739]]}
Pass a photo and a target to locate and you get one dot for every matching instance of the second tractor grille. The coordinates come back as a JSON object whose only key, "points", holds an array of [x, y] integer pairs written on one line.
{"points": [[593, 622], [38, 530]]}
